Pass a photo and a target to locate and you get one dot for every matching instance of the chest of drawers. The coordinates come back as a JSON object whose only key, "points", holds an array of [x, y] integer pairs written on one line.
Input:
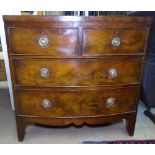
{"points": [[76, 70]]}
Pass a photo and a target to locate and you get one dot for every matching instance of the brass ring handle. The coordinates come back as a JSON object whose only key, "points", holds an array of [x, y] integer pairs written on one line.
{"points": [[116, 41], [44, 72], [110, 101], [43, 41], [46, 103], [112, 73]]}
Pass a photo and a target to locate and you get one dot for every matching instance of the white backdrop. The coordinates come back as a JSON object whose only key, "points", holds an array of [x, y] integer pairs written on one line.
{"points": [[4, 47]]}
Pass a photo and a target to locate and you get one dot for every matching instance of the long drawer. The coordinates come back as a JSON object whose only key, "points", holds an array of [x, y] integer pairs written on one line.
{"points": [[54, 41], [77, 72], [70, 103], [113, 41]]}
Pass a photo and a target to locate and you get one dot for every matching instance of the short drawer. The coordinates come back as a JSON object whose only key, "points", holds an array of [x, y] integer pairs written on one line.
{"points": [[76, 72], [70, 103], [113, 41], [62, 41]]}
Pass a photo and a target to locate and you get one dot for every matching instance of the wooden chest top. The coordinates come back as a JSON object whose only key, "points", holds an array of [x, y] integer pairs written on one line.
{"points": [[74, 36]]}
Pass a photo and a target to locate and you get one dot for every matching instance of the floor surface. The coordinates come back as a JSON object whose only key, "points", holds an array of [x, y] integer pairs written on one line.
{"points": [[144, 129]]}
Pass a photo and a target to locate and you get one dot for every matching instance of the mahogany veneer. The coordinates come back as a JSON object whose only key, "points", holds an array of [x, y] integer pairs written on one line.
{"points": [[76, 70]]}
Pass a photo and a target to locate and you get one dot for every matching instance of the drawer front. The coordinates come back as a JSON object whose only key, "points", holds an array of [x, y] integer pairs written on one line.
{"points": [[98, 41], [76, 103], [44, 41], [76, 72]]}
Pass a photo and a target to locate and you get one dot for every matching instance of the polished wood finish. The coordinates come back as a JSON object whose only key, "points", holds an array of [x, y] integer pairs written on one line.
{"points": [[98, 41], [77, 121], [130, 123], [141, 21], [77, 53], [76, 72], [20, 127], [70, 103], [61, 41]]}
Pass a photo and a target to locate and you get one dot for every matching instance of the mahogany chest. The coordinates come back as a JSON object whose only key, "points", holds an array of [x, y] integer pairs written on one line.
{"points": [[76, 70]]}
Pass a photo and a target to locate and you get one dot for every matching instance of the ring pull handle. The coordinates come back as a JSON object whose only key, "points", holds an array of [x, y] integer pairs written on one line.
{"points": [[110, 101], [112, 73], [46, 103], [44, 72], [43, 41], [116, 41]]}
